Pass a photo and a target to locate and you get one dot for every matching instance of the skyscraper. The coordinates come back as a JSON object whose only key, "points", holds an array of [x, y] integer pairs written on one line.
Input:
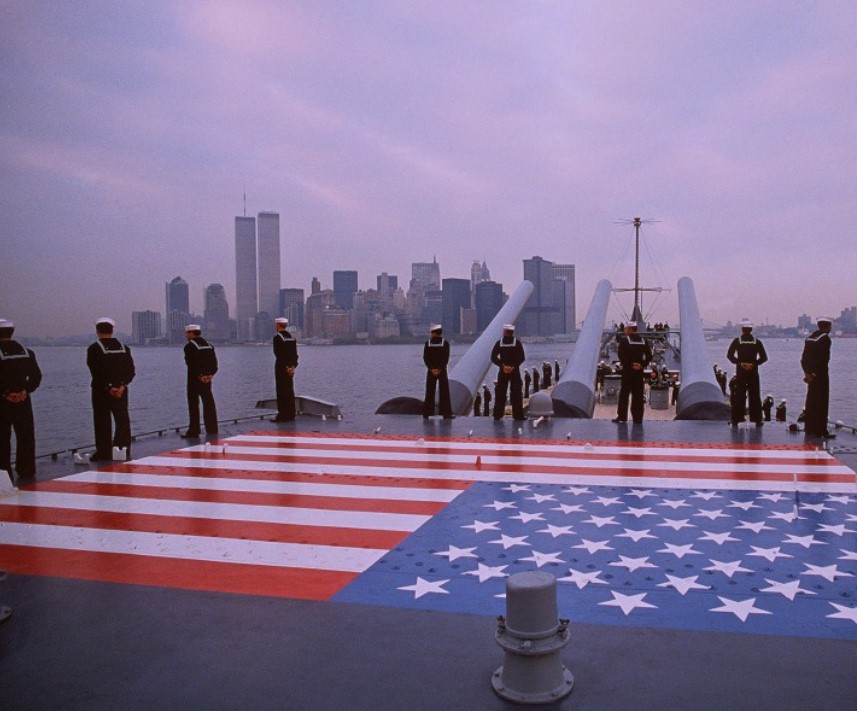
{"points": [[246, 300], [564, 297], [427, 274], [344, 288], [178, 308], [540, 315], [216, 313], [488, 300], [387, 284], [268, 257], [456, 296], [292, 307], [178, 295]]}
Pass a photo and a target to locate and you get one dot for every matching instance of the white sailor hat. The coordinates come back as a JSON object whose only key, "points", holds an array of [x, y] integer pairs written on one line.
{"points": [[105, 319], [824, 319], [509, 327], [282, 320], [436, 327], [746, 323], [6, 323], [631, 324], [783, 400], [192, 327]]}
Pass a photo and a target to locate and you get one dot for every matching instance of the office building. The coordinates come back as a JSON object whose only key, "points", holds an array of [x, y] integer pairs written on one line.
{"points": [[344, 288], [145, 326], [292, 307], [216, 314], [564, 297], [316, 305], [540, 316], [387, 284], [488, 300], [456, 296], [427, 274], [478, 274], [246, 294], [178, 309], [268, 261]]}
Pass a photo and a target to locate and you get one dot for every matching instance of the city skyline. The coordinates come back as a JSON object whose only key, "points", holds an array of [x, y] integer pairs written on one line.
{"points": [[387, 132]]}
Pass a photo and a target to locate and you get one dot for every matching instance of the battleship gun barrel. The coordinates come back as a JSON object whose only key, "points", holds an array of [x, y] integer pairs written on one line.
{"points": [[574, 395], [469, 373], [700, 397]]}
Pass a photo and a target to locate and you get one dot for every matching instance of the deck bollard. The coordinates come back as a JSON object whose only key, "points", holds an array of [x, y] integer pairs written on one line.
{"points": [[532, 636]]}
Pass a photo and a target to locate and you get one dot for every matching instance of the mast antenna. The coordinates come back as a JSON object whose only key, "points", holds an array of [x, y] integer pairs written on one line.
{"points": [[637, 222]]}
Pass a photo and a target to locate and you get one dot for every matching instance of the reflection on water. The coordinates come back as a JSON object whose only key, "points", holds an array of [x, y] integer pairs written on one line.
{"points": [[357, 378]]}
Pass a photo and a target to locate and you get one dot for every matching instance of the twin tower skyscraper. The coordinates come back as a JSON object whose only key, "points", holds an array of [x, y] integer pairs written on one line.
{"points": [[257, 271]]}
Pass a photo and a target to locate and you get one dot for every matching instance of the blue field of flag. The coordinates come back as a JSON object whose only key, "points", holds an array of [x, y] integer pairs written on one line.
{"points": [[712, 560]]}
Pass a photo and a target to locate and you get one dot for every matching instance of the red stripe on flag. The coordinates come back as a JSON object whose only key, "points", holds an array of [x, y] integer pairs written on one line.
{"points": [[277, 475], [537, 442], [213, 528], [244, 498], [578, 469], [301, 583], [531, 454]]}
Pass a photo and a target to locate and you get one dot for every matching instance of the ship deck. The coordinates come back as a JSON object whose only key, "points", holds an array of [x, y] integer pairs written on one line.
{"points": [[342, 564]]}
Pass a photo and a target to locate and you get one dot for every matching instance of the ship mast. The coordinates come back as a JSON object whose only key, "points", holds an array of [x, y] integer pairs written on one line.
{"points": [[637, 310]]}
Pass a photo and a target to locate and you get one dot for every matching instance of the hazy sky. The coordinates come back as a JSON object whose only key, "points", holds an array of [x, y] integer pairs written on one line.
{"points": [[389, 132]]}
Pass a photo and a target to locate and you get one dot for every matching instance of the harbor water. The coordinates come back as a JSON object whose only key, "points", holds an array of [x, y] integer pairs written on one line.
{"points": [[357, 378]]}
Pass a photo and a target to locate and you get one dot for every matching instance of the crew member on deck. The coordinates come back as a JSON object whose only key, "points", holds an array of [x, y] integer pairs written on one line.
{"points": [[477, 404], [527, 380], [201, 363], [486, 400], [767, 406], [112, 368], [546, 375], [781, 412], [285, 363], [815, 361], [19, 376], [634, 355], [747, 353], [536, 380], [508, 355], [436, 358]]}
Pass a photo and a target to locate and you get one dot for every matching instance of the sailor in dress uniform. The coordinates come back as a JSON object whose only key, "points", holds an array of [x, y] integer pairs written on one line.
{"points": [[19, 377]]}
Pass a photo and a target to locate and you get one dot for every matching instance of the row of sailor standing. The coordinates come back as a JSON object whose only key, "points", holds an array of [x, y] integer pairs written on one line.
{"points": [[748, 353], [111, 366], [507, 354]]}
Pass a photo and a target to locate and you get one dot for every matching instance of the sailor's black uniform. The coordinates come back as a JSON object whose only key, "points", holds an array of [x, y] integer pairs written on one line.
{"points": [[19, 372], [508, 351], [486, 401], [767, 406], [285, 357], [436, 357], [201, 363], [814, 361], [112, 367], [633, 349], [546, 375], [746, 348]]}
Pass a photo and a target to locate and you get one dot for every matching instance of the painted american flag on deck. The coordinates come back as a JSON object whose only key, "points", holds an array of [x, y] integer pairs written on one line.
{"points": [[751, 539]]}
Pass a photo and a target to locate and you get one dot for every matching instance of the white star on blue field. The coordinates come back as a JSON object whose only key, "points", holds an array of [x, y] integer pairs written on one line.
{"points": [[711, 560]]}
